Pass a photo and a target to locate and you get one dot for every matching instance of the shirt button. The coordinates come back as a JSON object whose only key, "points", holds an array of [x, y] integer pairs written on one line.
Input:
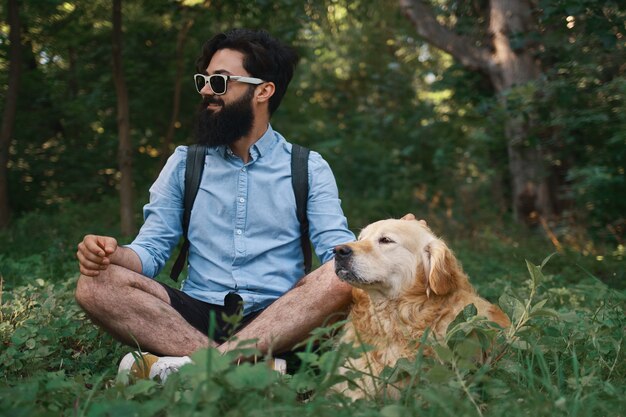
{"points": [[239, 231], [243, 169], [241, 199]]}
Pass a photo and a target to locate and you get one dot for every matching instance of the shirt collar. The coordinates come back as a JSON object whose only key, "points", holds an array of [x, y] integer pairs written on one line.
{"points": [[257, 150], [264, 144]]}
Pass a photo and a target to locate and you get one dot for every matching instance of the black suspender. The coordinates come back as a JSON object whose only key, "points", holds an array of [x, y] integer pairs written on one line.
{"points": [[299, 180], [193, 175], [300, 183]]}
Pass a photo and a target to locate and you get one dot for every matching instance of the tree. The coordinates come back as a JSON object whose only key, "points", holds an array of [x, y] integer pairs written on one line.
{"points": [[8, 116], [125, 149], [506, 64], [181, 39]]}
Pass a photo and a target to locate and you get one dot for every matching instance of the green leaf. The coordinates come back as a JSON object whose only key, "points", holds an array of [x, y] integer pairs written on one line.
{"points": [[496, 388], [302, 382], [513, 307], [439, 373], [443, 353], [521, 344], [31, 343], [218, 362], [464, 315], [507, 304], [307, 357], [142, 386], [468, 348], [545, 261], [538, 305], [469, 311], [329, 361], [245, 376], [395, 410], [535, 273], [544, 312]]}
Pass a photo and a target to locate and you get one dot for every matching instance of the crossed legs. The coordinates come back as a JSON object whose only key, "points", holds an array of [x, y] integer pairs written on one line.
{"points": [[136, 310]]}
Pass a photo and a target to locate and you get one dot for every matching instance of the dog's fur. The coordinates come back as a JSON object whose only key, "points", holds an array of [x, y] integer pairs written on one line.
{"points": [[406, 280]]}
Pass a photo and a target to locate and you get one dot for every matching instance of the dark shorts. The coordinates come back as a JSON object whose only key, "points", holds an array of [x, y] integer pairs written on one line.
{"points": [[198, 313]]}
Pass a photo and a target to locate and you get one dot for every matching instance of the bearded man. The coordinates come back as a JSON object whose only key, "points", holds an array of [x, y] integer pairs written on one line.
{"points": [[243, 232]]}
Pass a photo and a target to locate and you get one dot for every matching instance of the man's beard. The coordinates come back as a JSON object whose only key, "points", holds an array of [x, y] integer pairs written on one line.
{"points": [[228, 124]]}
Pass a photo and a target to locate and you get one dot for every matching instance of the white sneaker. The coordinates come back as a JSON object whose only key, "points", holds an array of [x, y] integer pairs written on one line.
{"points": [[279, 365], [144, 365]]}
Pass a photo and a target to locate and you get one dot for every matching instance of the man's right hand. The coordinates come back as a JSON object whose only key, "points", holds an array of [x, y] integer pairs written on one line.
{"points": [[94, 254]]}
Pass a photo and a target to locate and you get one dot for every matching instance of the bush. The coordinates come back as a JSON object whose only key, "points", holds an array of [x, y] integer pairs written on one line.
{"points": [[562, 356]]}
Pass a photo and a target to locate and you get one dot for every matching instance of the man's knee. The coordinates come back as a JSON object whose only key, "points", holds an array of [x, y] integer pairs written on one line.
{"points": [[85, 290], [90, 290]]}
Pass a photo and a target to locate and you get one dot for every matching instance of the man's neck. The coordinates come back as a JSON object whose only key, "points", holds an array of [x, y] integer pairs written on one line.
{"points": [[242, 146]]}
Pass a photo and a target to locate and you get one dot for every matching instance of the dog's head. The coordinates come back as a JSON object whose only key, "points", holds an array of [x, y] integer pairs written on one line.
{"points": [[394, 256]]}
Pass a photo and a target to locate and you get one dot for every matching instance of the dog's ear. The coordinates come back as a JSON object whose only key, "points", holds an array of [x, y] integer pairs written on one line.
{"points": [[440, 268]]}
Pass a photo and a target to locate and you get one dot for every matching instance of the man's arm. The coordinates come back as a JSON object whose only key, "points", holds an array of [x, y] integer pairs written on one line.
{"points": [[290, 319], [96, 253]]}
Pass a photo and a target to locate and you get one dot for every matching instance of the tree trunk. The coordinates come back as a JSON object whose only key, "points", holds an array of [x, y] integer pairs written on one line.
{"points": [[506, 68], [125, 149], [531, 194], [180, 70], [10, 107]]}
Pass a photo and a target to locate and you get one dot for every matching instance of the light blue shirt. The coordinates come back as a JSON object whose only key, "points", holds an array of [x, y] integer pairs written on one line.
{"points": [[244, 234]]}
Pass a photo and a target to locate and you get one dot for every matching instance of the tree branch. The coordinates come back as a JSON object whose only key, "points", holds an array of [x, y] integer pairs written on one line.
{"points": [[460, 47]]}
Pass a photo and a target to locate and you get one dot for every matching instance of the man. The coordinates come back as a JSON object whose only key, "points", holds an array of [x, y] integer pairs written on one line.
{"points": [[244, 234]]}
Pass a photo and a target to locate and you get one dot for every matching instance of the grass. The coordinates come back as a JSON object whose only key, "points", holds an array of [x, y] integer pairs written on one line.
{"points": [[564, 356]]}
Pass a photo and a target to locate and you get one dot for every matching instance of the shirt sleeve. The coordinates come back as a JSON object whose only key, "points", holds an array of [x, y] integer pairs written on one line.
{"points": [[328, 226], [162, 226]]}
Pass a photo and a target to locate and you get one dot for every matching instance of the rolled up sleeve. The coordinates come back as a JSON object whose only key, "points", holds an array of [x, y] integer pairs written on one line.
{"points": [[328, 227], [162, 226]]}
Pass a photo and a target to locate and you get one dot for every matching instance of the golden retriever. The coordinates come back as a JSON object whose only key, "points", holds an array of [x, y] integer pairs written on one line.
{"points": [[406, 280]]}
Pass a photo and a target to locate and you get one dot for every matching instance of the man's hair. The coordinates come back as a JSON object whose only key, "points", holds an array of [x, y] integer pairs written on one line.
{"points": [[264, 57]]}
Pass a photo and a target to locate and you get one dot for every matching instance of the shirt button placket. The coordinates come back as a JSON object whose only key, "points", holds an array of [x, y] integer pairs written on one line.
{"points": [[240, 221]]}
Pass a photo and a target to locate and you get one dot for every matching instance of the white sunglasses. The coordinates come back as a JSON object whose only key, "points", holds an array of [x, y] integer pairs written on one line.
{"points": [[219, 82]]}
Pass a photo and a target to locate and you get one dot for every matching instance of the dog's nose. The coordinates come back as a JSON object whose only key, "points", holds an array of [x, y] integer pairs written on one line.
{"points": [[342, 251]]}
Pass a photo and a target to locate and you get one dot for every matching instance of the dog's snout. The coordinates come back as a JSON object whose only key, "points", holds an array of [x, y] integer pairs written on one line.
{"points": [[342, 251]]}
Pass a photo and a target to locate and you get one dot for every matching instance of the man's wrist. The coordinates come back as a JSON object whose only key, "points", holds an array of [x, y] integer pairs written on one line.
{"points": [[127, 258]]}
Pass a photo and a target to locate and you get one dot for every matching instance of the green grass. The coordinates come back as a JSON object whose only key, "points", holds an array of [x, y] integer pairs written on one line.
{"points": [[564, 356]]}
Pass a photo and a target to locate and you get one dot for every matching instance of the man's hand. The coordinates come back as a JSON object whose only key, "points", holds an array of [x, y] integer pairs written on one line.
{"points": [[94, 254]]}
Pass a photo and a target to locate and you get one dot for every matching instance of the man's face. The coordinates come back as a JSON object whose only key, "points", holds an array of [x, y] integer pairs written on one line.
{"points": [[224, 119]]}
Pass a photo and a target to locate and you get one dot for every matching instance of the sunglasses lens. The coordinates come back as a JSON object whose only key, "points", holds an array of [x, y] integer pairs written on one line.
{"points": [[199, 80], [218, 84]]}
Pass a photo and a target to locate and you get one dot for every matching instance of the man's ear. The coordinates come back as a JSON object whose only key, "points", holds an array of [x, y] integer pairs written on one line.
{"points": [[440, 267], [264, 92]]}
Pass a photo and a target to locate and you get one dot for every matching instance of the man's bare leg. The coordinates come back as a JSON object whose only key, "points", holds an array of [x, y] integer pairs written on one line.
{"points": [[126, 303], [290, 319]]}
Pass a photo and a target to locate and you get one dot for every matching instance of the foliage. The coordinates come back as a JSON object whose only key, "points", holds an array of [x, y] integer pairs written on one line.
{"points": [[563, 355], [404, 128]]}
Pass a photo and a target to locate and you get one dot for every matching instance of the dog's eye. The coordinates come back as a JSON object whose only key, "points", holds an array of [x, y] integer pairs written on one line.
{"points": [[385, 240]]}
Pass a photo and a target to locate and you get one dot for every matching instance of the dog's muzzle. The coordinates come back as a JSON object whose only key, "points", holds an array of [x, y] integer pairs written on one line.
{"points": [[343, 263]]}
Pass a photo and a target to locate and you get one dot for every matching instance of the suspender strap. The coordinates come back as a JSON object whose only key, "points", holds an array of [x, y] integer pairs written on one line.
{"points": [[300, 182], [193, 175]]}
